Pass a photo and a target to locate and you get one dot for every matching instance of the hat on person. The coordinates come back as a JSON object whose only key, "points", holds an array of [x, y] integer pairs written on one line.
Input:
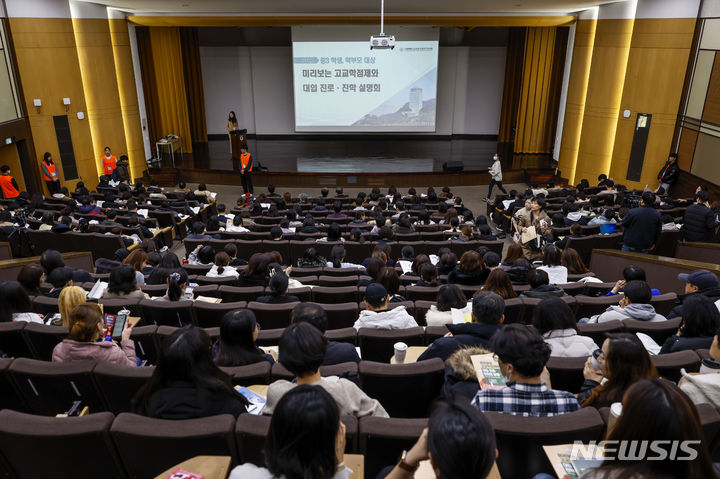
{"points": [[701, 278], [375, 292]]}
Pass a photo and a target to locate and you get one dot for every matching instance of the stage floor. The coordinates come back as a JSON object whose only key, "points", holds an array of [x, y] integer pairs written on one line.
{"points": [[346, 155]]}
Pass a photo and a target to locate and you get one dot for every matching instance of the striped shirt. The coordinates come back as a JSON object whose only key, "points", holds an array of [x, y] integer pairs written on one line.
{"points": [[522, 399]]}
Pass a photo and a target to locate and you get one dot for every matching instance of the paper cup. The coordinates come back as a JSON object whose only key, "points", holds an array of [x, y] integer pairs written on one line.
{"points": [[400, 350], [615, 413]]}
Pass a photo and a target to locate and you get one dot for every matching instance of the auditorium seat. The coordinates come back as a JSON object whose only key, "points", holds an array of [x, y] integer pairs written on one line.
{"points": [[669, 365], [599, 331], [309, 280], [520, 439], [211, 290], [210, 315], [659, 331], [148, 446], [573, 289], [208, 280], [119, 384], [407, 279], [267, 337], [280, 372], [515, 310], [304, 271], [145, 342], [337, 281], [12, 340], [44, 305], [272, 316], [404, 390], [566, 374], [9, 396], [167, 313], [587, 306], [240, 293], [335, 295], [530, 303], [304, 294], [422, 293], [256, 373], [420, 310], [154, 290], [342, 272], [599, 289], [37, 446], [43, 339], [51, 388], [345, 335], [377, 344], [112, 306], [665, 245], [382, 440], [664, 303]]}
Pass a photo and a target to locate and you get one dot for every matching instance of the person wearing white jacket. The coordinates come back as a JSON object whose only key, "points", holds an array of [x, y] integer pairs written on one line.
{"points": [[635, 304], [377, 316], [495, 176]]}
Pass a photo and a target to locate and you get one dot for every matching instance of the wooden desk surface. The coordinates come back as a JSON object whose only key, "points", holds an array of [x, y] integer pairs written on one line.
{"points": [[212, 467]]}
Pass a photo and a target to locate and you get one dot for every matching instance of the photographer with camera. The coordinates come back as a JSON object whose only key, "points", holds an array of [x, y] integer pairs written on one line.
{"points": [[643, 225]]}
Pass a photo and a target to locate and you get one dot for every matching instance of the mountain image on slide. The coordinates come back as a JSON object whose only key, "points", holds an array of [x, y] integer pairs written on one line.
{"points": [[407, 107]]}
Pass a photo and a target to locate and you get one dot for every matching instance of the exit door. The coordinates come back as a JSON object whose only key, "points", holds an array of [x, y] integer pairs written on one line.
{"points": [[637, 153]]}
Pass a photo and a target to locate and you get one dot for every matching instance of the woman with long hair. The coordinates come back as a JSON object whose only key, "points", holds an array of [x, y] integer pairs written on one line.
{"points": [[623, 362], [186, 382], [428, 275], [700, 323], [122, 284], [31, 277], [231, 124], [655, 411], [306, 439], [176, 285], [514, 252], [16, 305], [278, 286], [138, 259], [337, 258], [70, 298], [554, 319], [498, 281], [389, 278], [168, 264], [236, 347], [50, 174], [256, 273], [222, 268], [449, 297], [552, 258], [572, 261], [470, 271]]}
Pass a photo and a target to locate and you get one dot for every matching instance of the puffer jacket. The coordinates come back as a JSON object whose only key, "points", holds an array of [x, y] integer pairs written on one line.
{"points": [[460, 376], [698, 223], [396, 318], [668, 173], [641, 312], [567, 343], [71, 350]]}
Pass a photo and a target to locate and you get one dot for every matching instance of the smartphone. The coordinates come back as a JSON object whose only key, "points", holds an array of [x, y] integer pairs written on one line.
{"points": [[189, 290], [596, 354]]}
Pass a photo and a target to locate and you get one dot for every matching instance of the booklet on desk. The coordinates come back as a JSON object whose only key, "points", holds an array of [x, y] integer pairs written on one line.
{"points": [[488, 371], [257, 402]]}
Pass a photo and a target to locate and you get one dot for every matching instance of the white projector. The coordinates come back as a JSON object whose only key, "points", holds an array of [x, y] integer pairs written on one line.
{"points": [[382, 41]]}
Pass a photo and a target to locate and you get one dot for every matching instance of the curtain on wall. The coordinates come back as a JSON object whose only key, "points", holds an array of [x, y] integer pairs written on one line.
{"points": [[172, 103], [539, 94], [511, 91], [194, 83], [147, 72]]}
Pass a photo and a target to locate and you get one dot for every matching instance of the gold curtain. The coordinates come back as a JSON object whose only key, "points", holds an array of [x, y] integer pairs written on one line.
{"points": [[172, 97], [511, 91], [194, 83], [535, 110], [147, 71]]}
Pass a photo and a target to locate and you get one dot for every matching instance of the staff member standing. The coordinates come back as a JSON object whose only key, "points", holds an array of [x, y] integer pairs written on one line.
{"points": [[231, 124], [495, 176], [50, 173], [8, 185], [109, 162], [246, 166]]}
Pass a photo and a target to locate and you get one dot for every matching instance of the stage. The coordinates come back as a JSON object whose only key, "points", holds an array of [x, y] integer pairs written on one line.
{"points": [[315, 161]]}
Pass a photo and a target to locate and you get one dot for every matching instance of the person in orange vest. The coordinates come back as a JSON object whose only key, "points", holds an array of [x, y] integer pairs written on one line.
{"points": [[50, 173], [109, 162], [246, 166], [8, 185]]}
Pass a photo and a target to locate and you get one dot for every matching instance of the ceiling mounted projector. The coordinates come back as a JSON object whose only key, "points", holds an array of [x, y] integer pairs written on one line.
{"points": [[382, 41]]}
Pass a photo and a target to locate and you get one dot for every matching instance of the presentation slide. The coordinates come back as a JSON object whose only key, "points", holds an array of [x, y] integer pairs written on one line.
{"points": [[343, 86]]}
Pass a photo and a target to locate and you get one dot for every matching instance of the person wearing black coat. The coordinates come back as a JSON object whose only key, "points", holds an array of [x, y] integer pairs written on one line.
{"points": [[488, 313], [337, 352], [668, 173], [643, 226], [699, 221]]}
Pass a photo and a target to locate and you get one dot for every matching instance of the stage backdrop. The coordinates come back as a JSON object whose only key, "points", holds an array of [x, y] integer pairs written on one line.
{"points": [[257, 83]]}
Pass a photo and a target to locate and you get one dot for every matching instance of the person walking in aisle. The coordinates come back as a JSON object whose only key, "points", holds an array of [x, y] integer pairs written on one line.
{"points": [[50, 173], [495, 176], [246, 167]]}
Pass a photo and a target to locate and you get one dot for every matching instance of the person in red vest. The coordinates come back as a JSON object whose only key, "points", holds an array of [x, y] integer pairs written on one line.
{"points": [[109, 162], [50, 173], [8, 185], [246, 166]]}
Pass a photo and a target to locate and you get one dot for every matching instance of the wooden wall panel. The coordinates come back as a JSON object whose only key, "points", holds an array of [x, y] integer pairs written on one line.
{"points": [[711, 113], [125, 73], [577, 91], [604, 92], [9, 156], [653, 84], [686, 149], [97, 67], [49, 70]]}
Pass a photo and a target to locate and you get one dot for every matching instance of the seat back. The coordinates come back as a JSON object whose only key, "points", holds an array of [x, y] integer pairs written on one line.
{"points": [[382, 440], [51, 388], [119, 384], [167, 313], [664, 303], [209, 315], [341, 315], [520, 439], [378, 344], [566, 374], [235, 293], [404, 390], [335, 295], [145, 344], [112, 306], [598, 331], [12, 340], [148, 446], [59, 438], [256, 373], [272, 316], [669, 365], [658, 330], [43, 339], [587, 306], [9, 396]]}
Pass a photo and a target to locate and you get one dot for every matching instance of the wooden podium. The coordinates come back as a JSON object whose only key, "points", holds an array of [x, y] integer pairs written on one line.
{"points": [[238, 139]]}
